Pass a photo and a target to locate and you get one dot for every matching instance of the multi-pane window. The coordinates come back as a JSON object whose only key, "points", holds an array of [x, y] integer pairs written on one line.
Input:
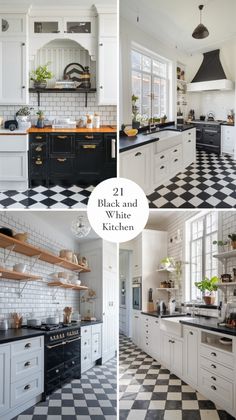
{"points": [[203, 232], [150, 83]]}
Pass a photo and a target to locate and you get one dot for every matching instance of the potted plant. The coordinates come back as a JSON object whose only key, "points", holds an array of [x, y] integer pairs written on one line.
{"points": [[23, 117], [221, 244], [163, 119], [232, 236], [40, 76], [208, 288], [135, 122], [40, 121], [167, 263]]}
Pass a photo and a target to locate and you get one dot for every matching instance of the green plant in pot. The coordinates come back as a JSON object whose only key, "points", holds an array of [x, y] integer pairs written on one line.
{"points": [[232, 236], [40, 76], [208, 288], [135, 109], [40, 122], [23, 117], [223, 245]]}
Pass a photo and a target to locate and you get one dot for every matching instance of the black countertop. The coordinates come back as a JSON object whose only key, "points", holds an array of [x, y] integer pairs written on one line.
{"points": [[128, 143], [24, 333], [210, 324], [167, 315]]}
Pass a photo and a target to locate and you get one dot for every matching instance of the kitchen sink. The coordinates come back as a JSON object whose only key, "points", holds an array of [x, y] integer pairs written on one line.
{"points": [[173, 325]]}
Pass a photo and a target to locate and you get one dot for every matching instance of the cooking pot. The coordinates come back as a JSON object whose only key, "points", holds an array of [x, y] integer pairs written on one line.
{"points": [[52, 320]]}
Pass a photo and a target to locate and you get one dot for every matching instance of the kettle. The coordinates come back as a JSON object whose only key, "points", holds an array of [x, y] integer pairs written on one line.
{"points": [[161, 307]]}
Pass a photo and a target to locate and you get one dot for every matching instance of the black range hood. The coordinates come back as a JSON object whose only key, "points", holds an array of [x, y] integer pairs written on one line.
{"points": [[211, 75]]}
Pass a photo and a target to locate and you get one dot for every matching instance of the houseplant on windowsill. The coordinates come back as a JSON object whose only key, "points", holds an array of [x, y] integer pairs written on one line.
{"points": [[40, 76], [208, 288]]}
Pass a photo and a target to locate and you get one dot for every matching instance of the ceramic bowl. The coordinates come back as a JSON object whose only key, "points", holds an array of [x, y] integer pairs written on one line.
{"points": [[20, 268]]}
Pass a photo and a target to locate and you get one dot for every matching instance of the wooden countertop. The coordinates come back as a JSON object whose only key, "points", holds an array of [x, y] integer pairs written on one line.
{"points": [[102, 129]]}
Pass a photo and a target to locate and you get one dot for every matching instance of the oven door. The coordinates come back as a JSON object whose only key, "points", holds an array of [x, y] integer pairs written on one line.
{"points": [[72, 349], [54, 355], [137, 296]]}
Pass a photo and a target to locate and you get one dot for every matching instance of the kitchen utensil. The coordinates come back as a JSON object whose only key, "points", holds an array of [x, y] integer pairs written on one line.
{"points": [[210, 340], [226, 341], [4, 324], [96, 121], [67, 314], [17, 320], [211, 116], [131, 132], [66, 254], [21, 236], [33, 322], [52, 320], [202, 117], [172, 305], [83, 261], [20, 268], [6, 231]]}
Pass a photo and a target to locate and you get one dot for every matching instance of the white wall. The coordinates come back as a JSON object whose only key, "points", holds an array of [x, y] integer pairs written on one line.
{"points": [[128, 34]]}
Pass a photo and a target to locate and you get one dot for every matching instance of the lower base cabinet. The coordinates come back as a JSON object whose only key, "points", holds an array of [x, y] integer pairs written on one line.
{"points": [[4, 378], [172, 353], [91, 346], [190, 354]]}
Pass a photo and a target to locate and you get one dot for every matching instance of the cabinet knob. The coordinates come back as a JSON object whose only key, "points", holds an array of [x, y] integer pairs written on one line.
{"points": [[213, 354], [213, 387], [38, 161], [101, 44], [27, 387], [101, 87], [190, 332], [23, 44], [23, 87], [176, 160], [27, 364], [38, 149], [213, 366], [73, 362], [162, 167], [28, 345], [162, 157], [57, 371], [138, 154], [213, 378], [189, 141], [175, 150]]}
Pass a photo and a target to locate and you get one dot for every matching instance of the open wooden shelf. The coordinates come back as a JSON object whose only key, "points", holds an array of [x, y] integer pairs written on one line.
{"points": [[226, 255], [14, 275], [57, 90], [67, 286], [43, 255]]}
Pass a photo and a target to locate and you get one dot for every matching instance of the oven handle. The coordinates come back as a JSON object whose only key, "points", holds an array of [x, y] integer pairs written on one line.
{"points": [[75, 339], [57, 345], [136, 285]]}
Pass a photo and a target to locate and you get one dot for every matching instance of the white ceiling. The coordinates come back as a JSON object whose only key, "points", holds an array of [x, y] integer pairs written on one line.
{"points": [[172, 21], [159, 219], [57, 3]]}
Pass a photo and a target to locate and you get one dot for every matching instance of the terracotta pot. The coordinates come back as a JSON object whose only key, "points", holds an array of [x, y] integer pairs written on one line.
{"points": [[233, 243], [209, 300]]}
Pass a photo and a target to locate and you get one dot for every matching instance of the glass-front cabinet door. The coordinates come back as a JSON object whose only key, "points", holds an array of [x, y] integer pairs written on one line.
{"points": [[12, 25], [46, 26], [78, 27]]}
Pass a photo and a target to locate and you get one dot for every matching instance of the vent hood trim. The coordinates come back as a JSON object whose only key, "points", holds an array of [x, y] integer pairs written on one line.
{"points": [[211, 75]]}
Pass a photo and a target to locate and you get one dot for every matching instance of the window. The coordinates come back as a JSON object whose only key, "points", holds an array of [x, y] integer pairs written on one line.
{"points": [[150, 83], [202, 233]]}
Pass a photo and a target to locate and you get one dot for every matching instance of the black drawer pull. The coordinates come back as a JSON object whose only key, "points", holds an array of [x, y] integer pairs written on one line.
{"points": [[28, 345], [23, 87], [213, 378], [213, 387], [61, 159], [162, 167], [189, 134], [190, 332], [27, 387], [95, 351], [176, 150], [189, 141], [213, 366], [85, 358], [162, 157], [213, 354], [27, 364], [176, 160], [138, 154]]}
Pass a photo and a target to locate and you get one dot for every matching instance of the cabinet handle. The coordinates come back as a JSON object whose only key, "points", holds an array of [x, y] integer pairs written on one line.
{"points": [[85, 358], [156, 322], [38, 161], [162, 167], [101, 44], [101, 87], [89, 146], [189, 134], [39, 137], [61, 159], [189, 141], [27, 387], [27, 364], [73, 362], [85, 330], [57, 371], [176, 150], [162, 157], [176, 160], [95, 351], [89, 137], [136, 316], [39, 149], [62, 137], [190, 332], [213, 387], [23, 87], [23, 44], [170, 341], [213, 378], [213, 354], [138, 154], [28, 345], [213, 366], [113, 148]]}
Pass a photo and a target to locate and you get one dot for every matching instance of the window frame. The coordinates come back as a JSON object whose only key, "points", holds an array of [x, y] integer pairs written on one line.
{"points": [[153, 57]]}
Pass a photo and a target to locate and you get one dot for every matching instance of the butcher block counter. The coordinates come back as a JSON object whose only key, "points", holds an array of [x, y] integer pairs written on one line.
{"points": [[102, 129]]}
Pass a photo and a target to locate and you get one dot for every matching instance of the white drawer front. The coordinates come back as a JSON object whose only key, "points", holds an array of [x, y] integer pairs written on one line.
{"points": [[85, 343], [175, 151], [86, 357], [26, 389], [161, 157], [218, 389], [23, 365], [85, 332], [26, 346], [217, 356], [217, 368], [97, 328], [13, 143], [161, 172]]}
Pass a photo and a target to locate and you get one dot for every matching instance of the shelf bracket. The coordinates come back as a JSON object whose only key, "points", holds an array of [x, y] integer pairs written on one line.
{"points": [[10, 249], [86, 99], [35, 259], [22, 289], [38, 95]]}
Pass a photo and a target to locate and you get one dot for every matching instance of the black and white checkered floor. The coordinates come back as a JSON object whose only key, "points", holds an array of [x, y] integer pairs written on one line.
{"points": [[150, 392], [210, 182], [56, 197], [93, 397]]}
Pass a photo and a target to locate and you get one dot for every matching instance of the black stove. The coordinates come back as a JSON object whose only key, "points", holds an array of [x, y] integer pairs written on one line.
{"points": [[62, 355]]}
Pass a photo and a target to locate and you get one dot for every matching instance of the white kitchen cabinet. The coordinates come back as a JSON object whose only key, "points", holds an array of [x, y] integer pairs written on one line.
{"points": [[190, 354], [13, 162], [228, 140], [189, 147], [12, 25], [4, 378], [168, 162], [91, 344], [135, 165], [137, 256], [172, 353], [107, 71], [13, 71], [110, 328], [96, 342], [150, 336], [136, 330]]}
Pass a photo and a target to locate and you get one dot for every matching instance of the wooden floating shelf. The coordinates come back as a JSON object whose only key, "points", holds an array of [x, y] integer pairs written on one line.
{"points": [[31, 251], [14, 275], [67, 286], [228, 284], [226, 255], [57, 90]]}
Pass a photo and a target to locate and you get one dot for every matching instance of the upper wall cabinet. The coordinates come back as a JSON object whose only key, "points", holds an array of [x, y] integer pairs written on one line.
{"points": [[12, 25], [14, 60], [107, 59], [80, 29]]}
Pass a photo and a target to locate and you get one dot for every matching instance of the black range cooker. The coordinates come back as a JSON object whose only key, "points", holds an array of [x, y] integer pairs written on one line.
{"points": [[208, 135], [62, 355]]}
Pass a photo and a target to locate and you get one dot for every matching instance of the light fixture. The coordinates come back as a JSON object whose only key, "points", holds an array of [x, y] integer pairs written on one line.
{"points": [[80, 227], [200, 32]]}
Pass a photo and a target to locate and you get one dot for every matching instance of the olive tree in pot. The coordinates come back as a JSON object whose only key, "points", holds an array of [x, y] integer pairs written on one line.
{"points": [[40, 76], [208, 288]]}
